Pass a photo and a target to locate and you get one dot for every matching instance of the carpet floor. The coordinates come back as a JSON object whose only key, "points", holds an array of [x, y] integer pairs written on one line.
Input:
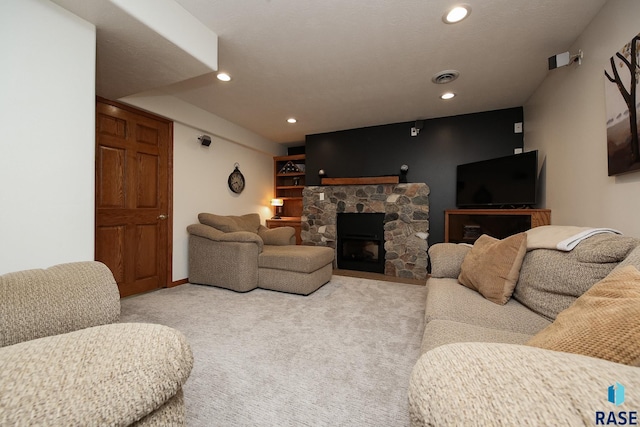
{"points": [[341, 356]]}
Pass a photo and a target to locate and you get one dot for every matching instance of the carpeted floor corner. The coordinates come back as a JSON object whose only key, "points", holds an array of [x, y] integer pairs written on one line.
{"points": [[341, 356]]}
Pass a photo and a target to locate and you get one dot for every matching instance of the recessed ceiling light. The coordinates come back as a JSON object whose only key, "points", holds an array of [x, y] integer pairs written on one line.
{"points": [[224, 77], [456, 14], [291, 120], [447, 95]]}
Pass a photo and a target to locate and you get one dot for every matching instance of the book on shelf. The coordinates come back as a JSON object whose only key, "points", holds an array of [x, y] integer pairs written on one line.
{"points": [[471, 232]]}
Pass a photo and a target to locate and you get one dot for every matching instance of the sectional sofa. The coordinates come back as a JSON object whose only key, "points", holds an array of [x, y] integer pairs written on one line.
{"points": [[66, 361], [549, 351]]}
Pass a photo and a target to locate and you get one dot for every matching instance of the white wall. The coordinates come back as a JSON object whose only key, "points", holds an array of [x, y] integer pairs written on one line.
{"points": [[47, 104], [200, 174], [566, 120]]}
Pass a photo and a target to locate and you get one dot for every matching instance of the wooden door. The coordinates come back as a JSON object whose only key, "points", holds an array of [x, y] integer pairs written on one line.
{"points": [[133, 171]]}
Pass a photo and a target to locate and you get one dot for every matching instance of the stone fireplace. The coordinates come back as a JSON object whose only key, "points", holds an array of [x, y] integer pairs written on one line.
{"points": [[406, 220]]}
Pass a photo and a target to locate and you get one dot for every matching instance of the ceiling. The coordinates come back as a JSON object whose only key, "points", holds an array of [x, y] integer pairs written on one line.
{"points": [[342, 64]]}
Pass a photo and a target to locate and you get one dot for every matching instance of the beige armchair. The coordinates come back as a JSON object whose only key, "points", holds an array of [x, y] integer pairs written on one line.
{"points": [[238, 253]]}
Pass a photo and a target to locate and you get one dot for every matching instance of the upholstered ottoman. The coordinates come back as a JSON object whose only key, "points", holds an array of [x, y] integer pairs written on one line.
{"points": [[238, 253], [293, 268]]}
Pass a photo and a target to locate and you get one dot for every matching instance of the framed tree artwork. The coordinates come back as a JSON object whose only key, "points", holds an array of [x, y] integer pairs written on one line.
{"points": [[623, 107]]}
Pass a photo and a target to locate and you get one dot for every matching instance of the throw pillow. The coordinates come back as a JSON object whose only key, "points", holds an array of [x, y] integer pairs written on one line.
{"points": [[604, 322], [492, 266], [230, 223], [280, 236], [225, 224], [248, 222]]}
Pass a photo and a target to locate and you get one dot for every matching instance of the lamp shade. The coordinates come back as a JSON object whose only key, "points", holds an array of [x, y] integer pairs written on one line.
{"points": [[277, 202]]}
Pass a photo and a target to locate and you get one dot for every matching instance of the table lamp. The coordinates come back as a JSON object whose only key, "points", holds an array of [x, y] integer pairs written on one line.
{"points": [[278, 203]]}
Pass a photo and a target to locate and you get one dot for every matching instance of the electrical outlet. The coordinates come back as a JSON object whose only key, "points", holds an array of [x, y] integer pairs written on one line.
{"points": [[517, 127], [321, 196], [517, 151]]}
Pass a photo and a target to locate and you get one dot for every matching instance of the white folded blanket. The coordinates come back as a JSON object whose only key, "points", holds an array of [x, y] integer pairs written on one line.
{"points": [[561, 237]]}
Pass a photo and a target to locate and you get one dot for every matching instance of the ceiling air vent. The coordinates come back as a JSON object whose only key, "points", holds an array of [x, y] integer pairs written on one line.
{"points": [[446, 76]]}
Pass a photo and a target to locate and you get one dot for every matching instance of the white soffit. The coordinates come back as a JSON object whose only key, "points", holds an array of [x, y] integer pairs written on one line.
{"points": [[133, 57], [174, 23]]}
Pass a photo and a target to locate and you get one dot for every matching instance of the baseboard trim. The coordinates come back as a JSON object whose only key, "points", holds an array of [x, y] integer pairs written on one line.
{"points": [[178, 282], [339, 272], [378, 276]]}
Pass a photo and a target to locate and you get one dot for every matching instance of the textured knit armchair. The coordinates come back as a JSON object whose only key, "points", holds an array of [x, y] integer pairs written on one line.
{"points": [[238, 253], [65, 362]]}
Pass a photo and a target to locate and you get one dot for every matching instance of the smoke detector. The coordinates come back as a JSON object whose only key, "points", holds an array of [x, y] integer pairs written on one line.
{"points": [[446, 76]]}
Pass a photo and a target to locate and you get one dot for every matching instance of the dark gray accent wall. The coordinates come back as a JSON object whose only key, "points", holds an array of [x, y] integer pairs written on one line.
{"points": [[432, 156]]}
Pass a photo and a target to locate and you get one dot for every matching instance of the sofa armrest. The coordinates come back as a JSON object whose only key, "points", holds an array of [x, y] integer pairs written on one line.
{"points": [[60, 299], [446, 259], [508, 384], [219, 236], [281, 236], [107, 375]]}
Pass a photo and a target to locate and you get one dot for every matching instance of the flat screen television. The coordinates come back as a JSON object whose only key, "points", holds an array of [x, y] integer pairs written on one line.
{"points": [[503, 182]]}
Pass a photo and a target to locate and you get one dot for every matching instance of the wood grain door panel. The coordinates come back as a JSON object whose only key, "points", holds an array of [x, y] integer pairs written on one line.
{"points": [[147, 174], [112, 179], [108, 125], [110, 241], [133, 158], [146, 240]]}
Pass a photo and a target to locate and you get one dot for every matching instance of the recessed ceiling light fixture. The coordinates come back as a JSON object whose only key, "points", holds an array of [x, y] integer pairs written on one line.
{"points": [[447, 95], [456, 14], [291, 120], [223, 77]]}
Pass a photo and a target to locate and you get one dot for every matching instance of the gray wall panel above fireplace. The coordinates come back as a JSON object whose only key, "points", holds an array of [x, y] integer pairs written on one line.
{"points": [[432, 156]]}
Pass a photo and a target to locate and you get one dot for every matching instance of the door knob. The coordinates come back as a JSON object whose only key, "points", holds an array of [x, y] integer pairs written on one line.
{"points": [[163, 216]]}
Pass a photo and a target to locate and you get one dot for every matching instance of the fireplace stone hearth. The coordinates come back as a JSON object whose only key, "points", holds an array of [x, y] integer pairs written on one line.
{"points": [[406, 220]]}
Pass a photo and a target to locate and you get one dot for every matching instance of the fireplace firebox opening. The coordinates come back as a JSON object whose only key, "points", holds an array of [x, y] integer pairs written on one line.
{"points": [[361, 241]]}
